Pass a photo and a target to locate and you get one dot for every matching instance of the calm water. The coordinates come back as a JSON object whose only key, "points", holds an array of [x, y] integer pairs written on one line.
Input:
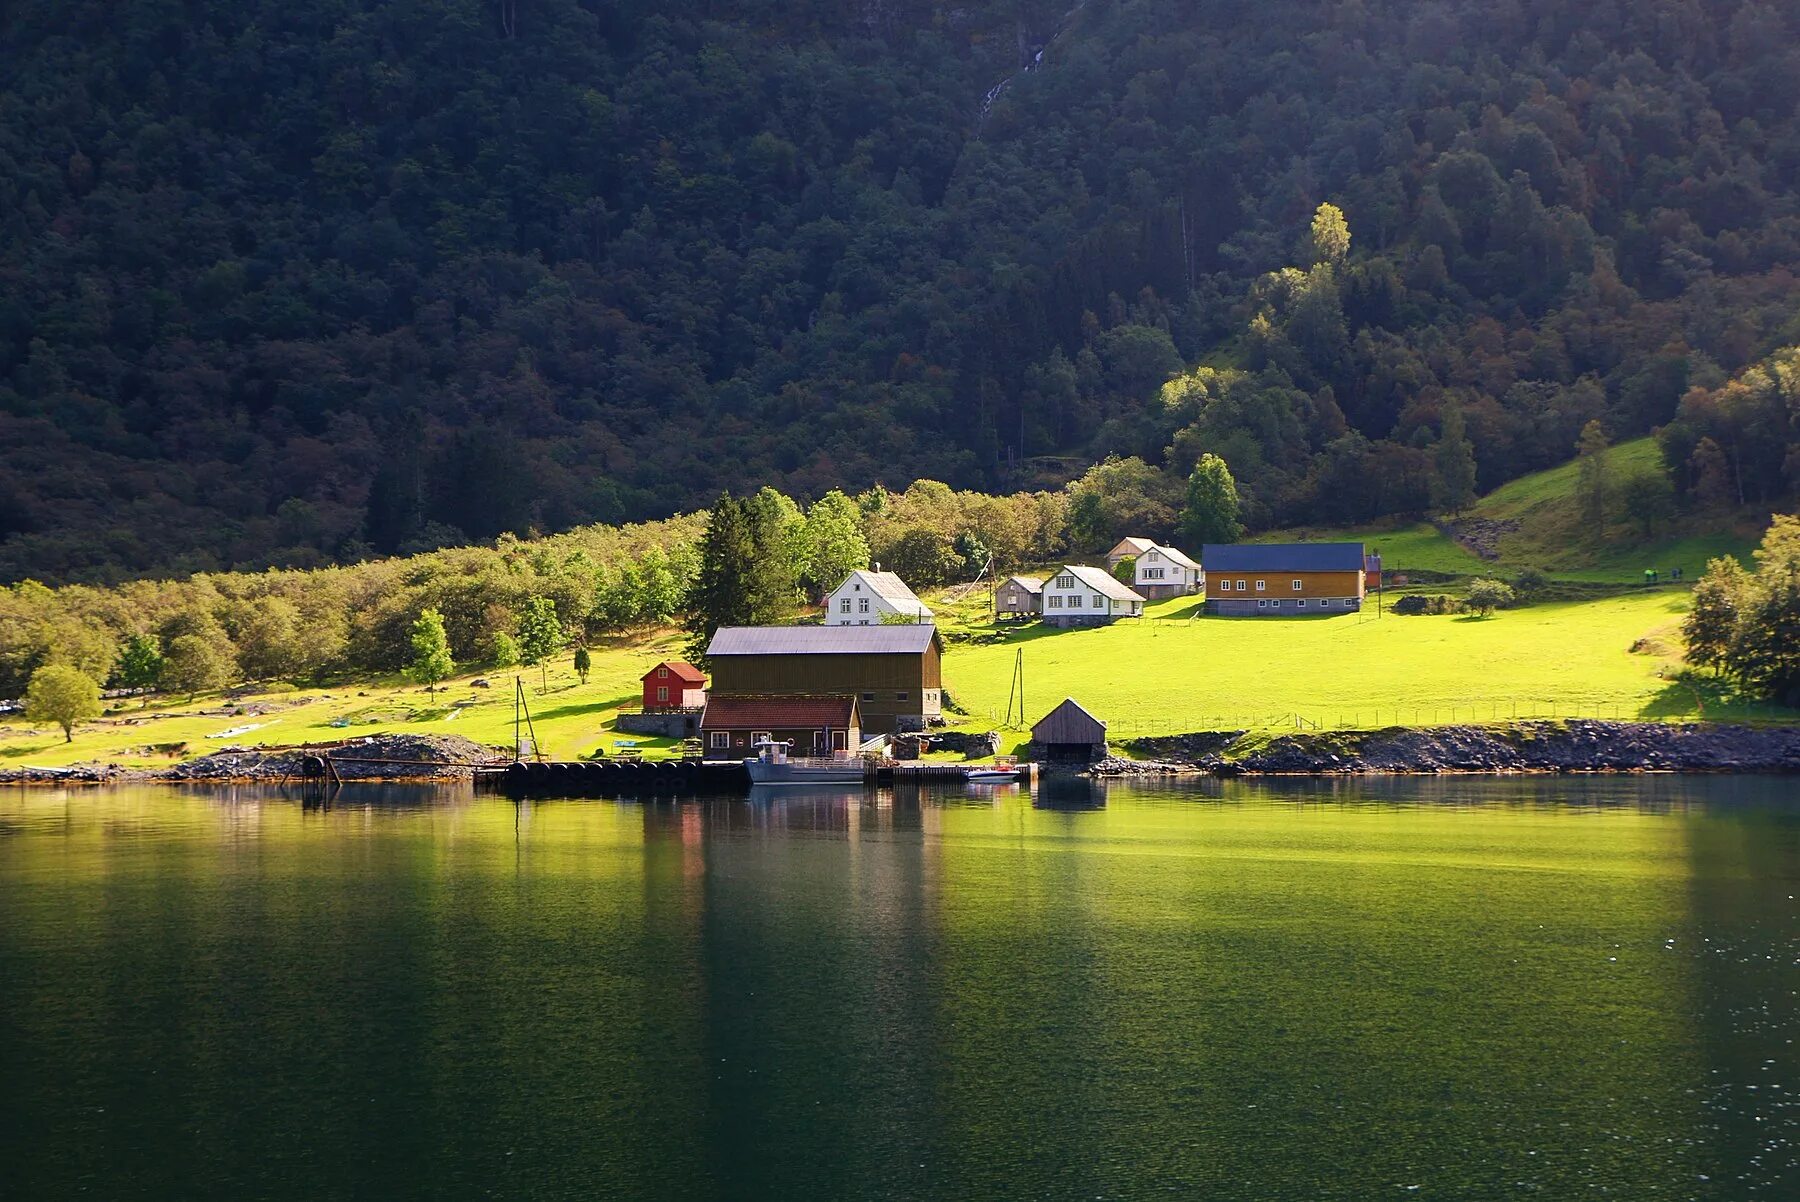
{"points": [[1463, 989]]}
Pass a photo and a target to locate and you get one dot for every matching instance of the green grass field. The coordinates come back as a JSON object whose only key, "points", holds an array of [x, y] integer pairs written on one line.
{"points": [[1168, 673], [1544, 530]]}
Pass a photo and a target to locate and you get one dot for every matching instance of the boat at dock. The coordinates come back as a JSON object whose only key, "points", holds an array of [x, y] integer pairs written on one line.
{"points": [[772, 765], [992, 776]]}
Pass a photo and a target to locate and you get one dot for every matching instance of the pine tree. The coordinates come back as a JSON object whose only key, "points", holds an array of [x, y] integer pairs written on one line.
{"points": [[1211, 512], [1591, 483], [1454, 458], [720, 593]]}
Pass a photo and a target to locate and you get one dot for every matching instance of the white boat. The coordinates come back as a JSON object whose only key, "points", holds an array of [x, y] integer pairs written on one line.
{"points": [[774, 766], [992, 776]]}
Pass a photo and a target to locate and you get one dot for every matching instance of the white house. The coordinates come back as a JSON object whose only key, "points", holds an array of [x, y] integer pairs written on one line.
{"points": [[1165, 572], [868, 598], [1127, 548], [1078, 595]]}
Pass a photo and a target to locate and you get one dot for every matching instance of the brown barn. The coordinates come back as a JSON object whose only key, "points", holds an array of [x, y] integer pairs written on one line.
{"points": [[1019, 596], [1284, 579], [1069, 732], [894, 672], [733, 724]]}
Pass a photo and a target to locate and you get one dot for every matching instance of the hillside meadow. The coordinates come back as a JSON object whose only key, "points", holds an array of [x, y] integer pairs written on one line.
{"points": [[1172, 672]]}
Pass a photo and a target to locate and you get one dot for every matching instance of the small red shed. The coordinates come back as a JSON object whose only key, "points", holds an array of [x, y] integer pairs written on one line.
{"points": [[674, 685]]}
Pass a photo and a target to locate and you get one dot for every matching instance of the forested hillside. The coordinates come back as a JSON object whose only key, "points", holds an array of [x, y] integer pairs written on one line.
{"points": [[297, 282]]}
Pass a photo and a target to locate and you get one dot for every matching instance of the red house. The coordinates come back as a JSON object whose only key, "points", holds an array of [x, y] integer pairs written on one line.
{"points": [[674, 685]]}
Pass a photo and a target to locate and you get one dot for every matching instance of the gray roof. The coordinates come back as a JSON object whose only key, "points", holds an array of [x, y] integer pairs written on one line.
{"points": [[890, 588], [1100, 581], [1173, 556], [909, 639], [1282, 557], [1131, 544], [1031, 584]]}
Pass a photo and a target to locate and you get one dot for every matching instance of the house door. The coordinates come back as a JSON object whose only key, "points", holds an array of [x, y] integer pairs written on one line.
{"points": [[818, 741], [840, 740]]}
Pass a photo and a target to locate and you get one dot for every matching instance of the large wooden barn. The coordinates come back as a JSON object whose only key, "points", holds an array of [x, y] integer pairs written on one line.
{"points": [[894, 672], [1283, 579]]}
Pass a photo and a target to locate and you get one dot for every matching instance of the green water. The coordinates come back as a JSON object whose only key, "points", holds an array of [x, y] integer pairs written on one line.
{"points": [[1447, 989]]}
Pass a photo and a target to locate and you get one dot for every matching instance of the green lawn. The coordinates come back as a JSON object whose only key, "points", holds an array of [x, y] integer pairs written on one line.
{"points": [[1545, 531]]}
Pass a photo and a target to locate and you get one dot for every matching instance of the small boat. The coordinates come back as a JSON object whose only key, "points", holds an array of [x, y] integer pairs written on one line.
{"points": [[992, 776], [772, 765]]}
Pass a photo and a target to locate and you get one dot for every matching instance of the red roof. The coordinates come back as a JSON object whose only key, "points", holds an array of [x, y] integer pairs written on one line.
{"points": [[681, 670], [800, 711]]}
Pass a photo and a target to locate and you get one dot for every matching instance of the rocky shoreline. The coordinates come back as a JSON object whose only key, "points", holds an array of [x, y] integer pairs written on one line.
{"points": [[1542, 747], [390, 757]]}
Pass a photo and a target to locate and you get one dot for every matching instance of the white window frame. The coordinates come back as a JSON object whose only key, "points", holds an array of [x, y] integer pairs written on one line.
{"points": [[862, 605], [1301, 603], [844, 606], [1262, 603], [1243, 586], [1224, 586], [1065, 582], [1297, 585], [761, 736], [662, 692], [1099, 602], [1260, 584], [719, 740], [662, 674], [1055, 601]]}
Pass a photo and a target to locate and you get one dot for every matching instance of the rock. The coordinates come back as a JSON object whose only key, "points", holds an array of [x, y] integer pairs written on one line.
{"points": [[372, 757]]}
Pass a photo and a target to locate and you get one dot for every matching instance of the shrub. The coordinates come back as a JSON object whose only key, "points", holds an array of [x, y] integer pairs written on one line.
{"points": [[1485, 596]]}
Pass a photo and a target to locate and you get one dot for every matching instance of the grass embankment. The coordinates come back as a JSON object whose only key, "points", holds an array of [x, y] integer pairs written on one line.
{"points": [[1535, 522]]}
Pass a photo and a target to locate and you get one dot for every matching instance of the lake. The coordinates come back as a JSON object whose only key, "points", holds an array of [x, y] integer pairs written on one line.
{"points": [[1454, 988]]}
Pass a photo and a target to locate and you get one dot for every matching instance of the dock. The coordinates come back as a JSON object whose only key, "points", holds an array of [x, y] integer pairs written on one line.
{"points": [[636, 778]]}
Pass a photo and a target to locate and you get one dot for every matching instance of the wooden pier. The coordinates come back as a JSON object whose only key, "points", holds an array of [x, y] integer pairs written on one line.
{"points": [[638, 778]]}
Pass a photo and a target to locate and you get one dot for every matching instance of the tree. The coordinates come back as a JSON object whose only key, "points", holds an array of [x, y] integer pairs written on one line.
{"points": [[835, 543], [503, 650], [1117, 498], [1590, 482], [584, 662], [1712, 476], [140, 663], [540, 634], [1712, 614], [431, 660], [1211, 512], [1485, 596], [1329, 243], [1648, 497], [1125, 571], [720, 594], [194, 664], [1454, 459], [63, 695]]}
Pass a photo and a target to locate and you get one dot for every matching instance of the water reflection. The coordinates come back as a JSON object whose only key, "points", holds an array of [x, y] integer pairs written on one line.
{"points": [[1276, 989]]}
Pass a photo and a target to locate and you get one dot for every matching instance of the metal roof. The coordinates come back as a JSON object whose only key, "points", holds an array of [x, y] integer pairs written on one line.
{"points": [[1100, 581], [770, 711], [1282, 557], [890, 588], [1131, 545], [912, 638], [1031, 584]]}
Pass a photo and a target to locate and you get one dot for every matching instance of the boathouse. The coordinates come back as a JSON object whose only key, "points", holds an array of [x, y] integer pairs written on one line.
{"points": [[733, 724], [894, 672], [1069, 733], [1283, 579], [1019, 596], [674, 684]]}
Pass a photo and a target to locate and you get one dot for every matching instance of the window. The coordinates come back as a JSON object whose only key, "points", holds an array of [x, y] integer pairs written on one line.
{"points": [[662, 692], [720, 739], [1099, 602], [844, 606], [1262, 603], [761, 736], [868, 696], [1296, 586], [902, 696], [840, 740], [862, 603], [1065, 582], [1260, 584], [1053, 601], [1301, 603], [662, 674]]}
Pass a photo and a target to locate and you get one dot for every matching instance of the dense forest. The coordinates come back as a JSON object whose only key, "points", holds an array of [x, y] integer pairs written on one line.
{"points": [[294, 283]]}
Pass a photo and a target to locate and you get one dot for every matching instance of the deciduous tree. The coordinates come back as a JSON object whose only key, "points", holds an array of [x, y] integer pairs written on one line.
{"points": [[63, 695]]}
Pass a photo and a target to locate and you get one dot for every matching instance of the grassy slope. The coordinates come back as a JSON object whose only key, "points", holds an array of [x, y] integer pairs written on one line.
{"points": [[1164, 675], [1550, 534]]}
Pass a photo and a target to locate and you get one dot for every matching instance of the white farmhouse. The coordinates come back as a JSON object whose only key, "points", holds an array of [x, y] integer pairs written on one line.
{"points": [[1078, 595], [1165, 572], [869, 598]]}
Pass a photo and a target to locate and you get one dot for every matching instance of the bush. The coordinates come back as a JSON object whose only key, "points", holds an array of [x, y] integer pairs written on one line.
{"points": [[1530, 582], [1485, 596], [1422, 603]]}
